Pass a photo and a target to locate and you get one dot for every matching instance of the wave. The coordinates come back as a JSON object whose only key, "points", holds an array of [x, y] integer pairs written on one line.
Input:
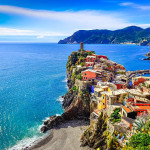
{"points": [[47, 118], [65, 80], [27, 142], [66, 87], [60, 99]]}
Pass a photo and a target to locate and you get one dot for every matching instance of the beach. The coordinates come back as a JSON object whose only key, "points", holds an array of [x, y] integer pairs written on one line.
{"points": [[65, 137]]}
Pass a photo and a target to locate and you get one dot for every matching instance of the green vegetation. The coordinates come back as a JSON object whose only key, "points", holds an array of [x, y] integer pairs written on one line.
{"points": [[79, 77], [75, 88], [140, 140], [115, 116], [131, 34], [82, 64], [139, 123]]}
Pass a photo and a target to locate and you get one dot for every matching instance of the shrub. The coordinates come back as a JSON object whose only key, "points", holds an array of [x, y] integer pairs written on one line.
{"points": [[79, 77], [140, 140], [82, 64], [115, 116], [75, 88]]}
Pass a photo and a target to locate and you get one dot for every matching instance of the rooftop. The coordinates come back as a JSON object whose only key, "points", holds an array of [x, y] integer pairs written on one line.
{"points": [[98, 89], [118, 92], [128, 110], [91, 56]]}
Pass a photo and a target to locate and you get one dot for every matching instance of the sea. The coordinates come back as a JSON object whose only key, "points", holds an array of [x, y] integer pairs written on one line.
{"points": [[33, 78]]}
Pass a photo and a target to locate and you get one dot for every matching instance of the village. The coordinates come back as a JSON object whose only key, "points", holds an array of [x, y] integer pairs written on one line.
{"points": [[111, 92]]}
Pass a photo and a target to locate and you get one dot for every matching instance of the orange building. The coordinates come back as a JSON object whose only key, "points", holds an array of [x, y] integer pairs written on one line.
{"points": [[139, 80], [120, 86], [89, 74]]}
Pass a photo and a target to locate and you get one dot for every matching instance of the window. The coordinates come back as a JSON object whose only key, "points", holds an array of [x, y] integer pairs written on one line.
{"points": [[85, 73], [121, 87], [103, 103], [103, 97]]}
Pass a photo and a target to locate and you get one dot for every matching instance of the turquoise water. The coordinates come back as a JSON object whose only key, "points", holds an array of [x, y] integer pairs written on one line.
{"points": [[32, 77]]}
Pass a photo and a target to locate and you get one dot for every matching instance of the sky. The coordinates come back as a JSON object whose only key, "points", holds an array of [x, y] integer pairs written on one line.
{"points": [[51, 20]]}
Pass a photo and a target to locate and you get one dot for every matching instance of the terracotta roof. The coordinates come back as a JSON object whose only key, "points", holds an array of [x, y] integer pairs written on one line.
{"points": [[144, 107], [126, 109]]}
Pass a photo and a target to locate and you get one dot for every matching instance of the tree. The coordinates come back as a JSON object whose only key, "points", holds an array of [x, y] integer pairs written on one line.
{"points": [[140, 141], [82, 64], [115, 116], [79, 77]]}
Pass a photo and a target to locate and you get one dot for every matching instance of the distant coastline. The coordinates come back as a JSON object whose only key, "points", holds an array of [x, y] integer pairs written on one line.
{"points": [[129, 35]]}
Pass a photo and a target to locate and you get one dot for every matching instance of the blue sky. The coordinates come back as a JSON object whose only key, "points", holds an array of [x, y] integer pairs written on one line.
{"points": [[51, 20]]}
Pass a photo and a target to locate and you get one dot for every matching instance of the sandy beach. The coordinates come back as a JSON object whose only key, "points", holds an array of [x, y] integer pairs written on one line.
{"points": [[65, 137]]}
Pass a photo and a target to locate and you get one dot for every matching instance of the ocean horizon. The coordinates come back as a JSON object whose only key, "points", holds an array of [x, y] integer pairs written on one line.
{"points": [[33, 79]]}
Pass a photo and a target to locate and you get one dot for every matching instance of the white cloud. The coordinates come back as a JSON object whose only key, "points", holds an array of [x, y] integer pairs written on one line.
{"points": [[11, 31], [126, 4], [77, 19], [18, 32], [144, 7], [67, 22], [134, 5]]}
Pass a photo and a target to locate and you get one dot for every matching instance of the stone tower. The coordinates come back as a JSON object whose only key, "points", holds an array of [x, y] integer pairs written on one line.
{"points": [[81, 45]]}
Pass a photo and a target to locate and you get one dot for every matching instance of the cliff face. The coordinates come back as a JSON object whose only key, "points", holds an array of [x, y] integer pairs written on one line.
{"points": [[95, 137], [76, 103], [132, 34]]}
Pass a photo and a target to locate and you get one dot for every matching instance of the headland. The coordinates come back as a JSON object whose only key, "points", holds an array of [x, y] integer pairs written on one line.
{"points": [[101, 107]]}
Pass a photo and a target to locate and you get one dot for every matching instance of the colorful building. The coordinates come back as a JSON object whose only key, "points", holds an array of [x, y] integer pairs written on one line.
{"points": [[89, 64], [134, 107], [90, 74], [91, 58], [102, 56]]}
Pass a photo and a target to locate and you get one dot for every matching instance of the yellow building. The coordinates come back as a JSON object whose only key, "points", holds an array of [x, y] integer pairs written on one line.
{"points": [[111, 97]]}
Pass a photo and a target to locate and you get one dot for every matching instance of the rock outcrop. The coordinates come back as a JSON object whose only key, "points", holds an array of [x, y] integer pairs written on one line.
{"points": [[76, 103], [94, 136]]}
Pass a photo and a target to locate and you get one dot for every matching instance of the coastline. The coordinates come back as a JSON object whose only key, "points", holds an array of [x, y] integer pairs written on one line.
{"points": [[61, 136]]}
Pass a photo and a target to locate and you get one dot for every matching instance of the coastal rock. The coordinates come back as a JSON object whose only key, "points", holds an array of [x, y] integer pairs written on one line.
{"points": [[94, 136], [44, 129], [148, 58], [52, 122], [148, 54], [75, 104]]}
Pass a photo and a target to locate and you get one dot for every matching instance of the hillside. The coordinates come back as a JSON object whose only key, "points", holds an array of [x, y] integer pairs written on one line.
{"points": [[131, 34]]}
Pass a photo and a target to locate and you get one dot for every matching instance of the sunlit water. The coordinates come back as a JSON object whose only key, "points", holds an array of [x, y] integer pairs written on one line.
{"points": [[32, 79]]}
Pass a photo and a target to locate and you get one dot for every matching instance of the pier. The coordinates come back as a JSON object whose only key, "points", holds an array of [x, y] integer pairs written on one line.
{"points": [[131, 74]]}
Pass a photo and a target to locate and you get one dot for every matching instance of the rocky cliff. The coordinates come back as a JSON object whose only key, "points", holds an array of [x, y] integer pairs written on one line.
{"points": [[76, 103], [94, 136]]}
